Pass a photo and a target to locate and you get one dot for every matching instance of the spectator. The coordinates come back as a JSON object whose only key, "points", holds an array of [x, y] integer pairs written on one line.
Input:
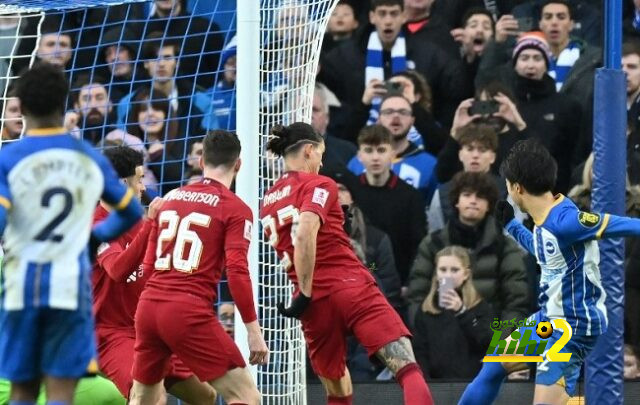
{"points": [[378, 53], [452, 333], [342, 24], [586, 15], [424, 26], [193, 160], [631, 24], [507, 122], [54, 46], [477, 30], [151, 121], [338, 152], [119, 53], [223, 94], [226, 314], [91, 117], [388, 202], [631, 67], [478, 145], [499, 272], [411, 163], [186, 99], [553, 118], [374, 249], [425, 132], [631, 362], [198, 40], [572, 65], [12, 123]]}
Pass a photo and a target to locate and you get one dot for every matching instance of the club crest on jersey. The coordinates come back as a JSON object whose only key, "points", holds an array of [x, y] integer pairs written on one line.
{"points": [[320, 196], [588, 219]]}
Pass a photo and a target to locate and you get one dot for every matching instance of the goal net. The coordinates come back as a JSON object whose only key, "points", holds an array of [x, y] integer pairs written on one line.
{"points": [[155, 76]]}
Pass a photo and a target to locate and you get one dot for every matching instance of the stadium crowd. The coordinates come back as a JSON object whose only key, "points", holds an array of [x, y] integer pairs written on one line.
{"points": [[418, 102]]}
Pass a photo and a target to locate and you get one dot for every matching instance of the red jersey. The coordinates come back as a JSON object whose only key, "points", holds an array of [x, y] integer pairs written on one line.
{"points": [[201, 230], [118, 277], [337, 266]]}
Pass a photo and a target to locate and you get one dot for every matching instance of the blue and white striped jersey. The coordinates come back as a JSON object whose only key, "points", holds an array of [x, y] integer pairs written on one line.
{"points": [[564, 244], [50, 184]]}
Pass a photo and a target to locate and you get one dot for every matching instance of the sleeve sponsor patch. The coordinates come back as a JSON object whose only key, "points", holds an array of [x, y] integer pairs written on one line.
{"points": [[247, 229], [320, 196], [588, 219]]}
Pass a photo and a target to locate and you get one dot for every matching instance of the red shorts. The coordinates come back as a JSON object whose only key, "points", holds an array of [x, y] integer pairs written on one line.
{"points": [[115, 359], [191, 331], [360, 311]]}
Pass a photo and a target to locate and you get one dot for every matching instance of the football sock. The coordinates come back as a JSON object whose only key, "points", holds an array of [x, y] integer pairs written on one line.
{"points": [[485, 387], [332, 400], [14, 402], [413, 385]]}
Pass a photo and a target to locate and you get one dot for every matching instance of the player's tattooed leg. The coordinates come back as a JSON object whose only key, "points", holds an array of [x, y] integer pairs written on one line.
{"points": [[397, 354]]}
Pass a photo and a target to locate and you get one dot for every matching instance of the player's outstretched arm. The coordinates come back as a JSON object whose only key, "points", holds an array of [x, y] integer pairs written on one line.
{"points": [[506, 218], [615, 226]]}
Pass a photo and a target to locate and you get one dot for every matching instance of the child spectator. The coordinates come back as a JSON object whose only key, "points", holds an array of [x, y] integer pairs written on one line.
{"points": [[452, 330]]}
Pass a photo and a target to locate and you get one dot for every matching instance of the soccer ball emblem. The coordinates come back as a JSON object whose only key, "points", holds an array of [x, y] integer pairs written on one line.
{"points": [[544, 329]]}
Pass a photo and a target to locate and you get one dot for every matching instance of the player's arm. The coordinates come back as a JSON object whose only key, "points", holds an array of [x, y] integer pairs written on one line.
{"points": [[614, 226], [238, 237], [118, 261], [506, 217], [5, 200], [575, 226], [126, 208], [304, 250]]}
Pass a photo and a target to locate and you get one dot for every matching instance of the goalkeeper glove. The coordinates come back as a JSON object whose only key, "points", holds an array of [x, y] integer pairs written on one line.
{"points": [[298, 306], [504, 212]]}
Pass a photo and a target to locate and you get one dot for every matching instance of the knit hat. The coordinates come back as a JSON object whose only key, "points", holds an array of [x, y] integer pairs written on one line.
{"points": [[533, 40]]}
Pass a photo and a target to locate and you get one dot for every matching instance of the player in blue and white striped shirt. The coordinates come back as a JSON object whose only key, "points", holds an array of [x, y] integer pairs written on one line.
{"points": [[50, 184], [564, 243]]}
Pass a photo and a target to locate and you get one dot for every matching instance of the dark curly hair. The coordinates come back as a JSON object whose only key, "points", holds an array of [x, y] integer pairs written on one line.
{"points": [[288, 140], [482, 184], [124, 160], [530, 165], [42, 90]]}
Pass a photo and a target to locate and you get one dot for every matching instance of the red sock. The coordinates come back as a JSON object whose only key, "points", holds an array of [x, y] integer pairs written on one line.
{"points": [[331, 400], [416, 391]]}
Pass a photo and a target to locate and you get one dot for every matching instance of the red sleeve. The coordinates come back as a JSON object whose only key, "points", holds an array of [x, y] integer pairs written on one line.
{"points": [[119, 261], [148, 263], [319, 196], [237, 239]]}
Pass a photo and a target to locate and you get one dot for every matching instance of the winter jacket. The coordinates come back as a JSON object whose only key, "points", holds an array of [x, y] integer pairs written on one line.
{"points": [[452, 346], [497, 62], [498, 268], [553, 118], [343, 71]]}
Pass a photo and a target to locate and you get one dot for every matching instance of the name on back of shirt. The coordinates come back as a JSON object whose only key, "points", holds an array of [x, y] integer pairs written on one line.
{"points": [[194, 196], [40, 170], [276, 195]]}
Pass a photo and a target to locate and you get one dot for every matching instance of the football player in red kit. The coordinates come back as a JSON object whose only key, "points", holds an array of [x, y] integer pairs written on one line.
{"points": [[201, 230], [118, 280], [336, 295]]}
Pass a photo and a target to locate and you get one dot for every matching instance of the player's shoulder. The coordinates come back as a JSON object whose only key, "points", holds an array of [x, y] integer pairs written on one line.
{"points": [[565, 214], [318, 180]]}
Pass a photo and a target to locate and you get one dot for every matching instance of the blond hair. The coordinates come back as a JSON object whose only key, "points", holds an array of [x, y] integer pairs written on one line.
{"points": [[470, 296]]}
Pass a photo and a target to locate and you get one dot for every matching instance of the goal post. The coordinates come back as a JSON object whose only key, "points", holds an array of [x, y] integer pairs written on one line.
{"points": [[277, 45]]}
